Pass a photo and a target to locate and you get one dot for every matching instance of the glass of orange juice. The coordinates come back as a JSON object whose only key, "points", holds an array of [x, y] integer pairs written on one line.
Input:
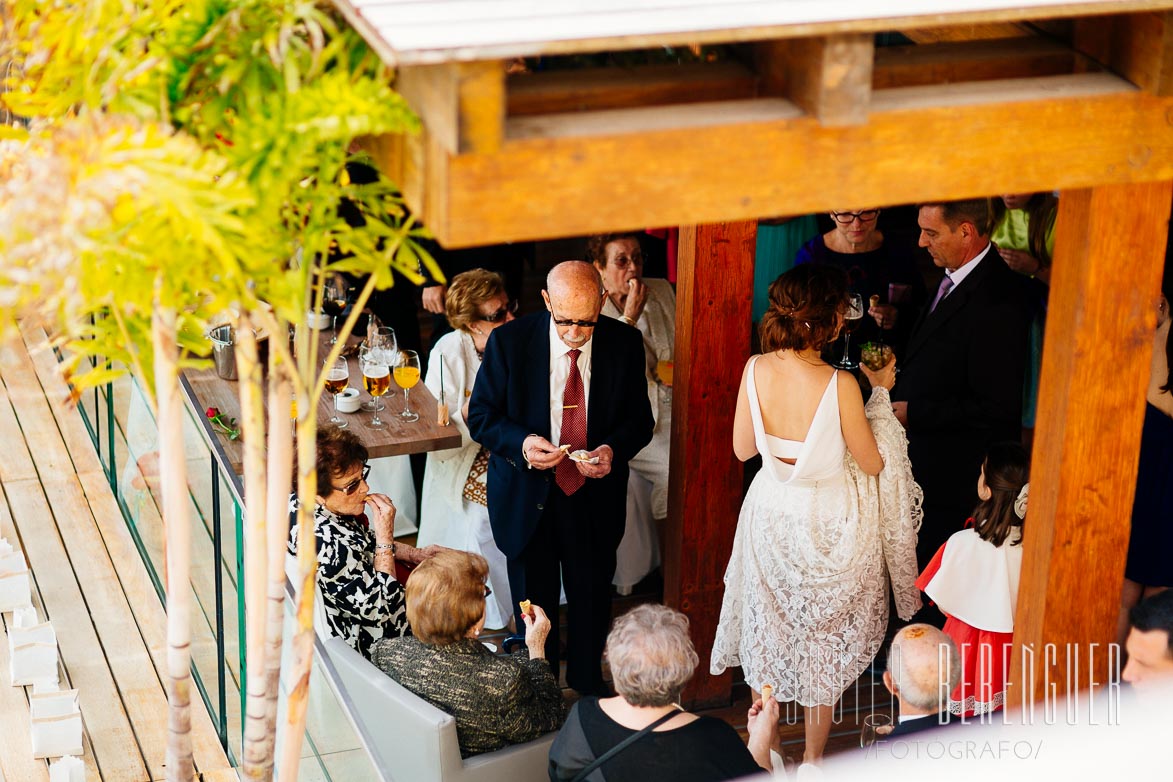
{"points": [[407, 374], [664, 372]]}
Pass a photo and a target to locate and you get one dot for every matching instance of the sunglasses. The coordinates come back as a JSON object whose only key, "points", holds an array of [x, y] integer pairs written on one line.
{"points": [[501, 314], [866, 216], [352, 487]]}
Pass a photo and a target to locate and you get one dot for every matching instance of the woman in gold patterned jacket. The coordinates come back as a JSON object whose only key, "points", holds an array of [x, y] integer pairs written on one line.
{"points": [[496, 700]]}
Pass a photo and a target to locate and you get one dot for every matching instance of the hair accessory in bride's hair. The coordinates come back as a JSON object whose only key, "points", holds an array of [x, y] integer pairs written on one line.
{"points": [[1020, 503]]}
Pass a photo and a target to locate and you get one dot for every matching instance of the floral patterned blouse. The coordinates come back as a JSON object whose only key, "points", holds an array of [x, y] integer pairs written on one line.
{"points": [[363, 605]]}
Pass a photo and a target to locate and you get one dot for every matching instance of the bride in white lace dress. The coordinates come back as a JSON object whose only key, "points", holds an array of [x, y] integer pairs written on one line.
{"points": [[819, 536]]}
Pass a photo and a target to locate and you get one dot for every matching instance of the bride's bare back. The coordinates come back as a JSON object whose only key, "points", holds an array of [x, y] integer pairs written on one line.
{"points": [[790, 387]]}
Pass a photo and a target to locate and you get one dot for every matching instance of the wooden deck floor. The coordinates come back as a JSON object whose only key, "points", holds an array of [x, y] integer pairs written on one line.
{"points": [[89, 581]]}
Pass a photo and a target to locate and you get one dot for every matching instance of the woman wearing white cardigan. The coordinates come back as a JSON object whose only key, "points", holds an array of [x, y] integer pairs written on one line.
{"points": [[454, 511]]}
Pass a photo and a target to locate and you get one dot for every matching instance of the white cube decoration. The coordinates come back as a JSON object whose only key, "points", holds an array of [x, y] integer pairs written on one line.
{"points": [[25, 617], [68, 769], [32, 654], [15, 591], [55, 720]]}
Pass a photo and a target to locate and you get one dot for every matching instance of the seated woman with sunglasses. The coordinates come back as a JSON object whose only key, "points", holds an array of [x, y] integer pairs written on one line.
{"points": [[455, 511], [496, 700], [878, 263], [362, 598]]}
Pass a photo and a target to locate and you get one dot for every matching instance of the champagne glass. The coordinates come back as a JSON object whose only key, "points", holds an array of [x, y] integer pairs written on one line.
{"points": [[852, 319], [875, 727], [376, 378], [337, 379], [335, 297], [407, 374]]}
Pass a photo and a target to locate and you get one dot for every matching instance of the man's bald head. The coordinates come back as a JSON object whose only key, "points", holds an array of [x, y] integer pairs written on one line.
{"points": [[923, 668], [574, 292]]}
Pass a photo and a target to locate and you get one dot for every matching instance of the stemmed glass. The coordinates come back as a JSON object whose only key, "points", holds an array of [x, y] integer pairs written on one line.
{"points": [[407, 374], [874, 727], [852, 319], [383, 338], [337, 379], [335, 297], [376, 378]]}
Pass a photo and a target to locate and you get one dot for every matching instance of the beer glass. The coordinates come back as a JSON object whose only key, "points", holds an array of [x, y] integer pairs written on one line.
{"points": [[337, 379], [376, 378]]}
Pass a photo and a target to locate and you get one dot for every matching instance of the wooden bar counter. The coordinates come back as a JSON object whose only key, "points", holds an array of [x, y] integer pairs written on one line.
{"points": [[397, 437]]}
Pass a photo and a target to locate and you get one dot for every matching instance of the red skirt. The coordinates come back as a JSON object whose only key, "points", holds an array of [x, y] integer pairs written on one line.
{"points": [[985, 658]]}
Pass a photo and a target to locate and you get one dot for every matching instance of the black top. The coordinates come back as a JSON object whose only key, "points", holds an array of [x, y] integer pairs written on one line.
{"points": [[705, 750]]}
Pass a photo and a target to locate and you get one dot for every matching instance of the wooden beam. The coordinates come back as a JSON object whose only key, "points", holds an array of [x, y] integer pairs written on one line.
{"points": [[1102, 312], [977, 31], [589, 89], [1137, 46], [461, 104], [951, 141], [968, 61], [828, 77], [715, 268]]}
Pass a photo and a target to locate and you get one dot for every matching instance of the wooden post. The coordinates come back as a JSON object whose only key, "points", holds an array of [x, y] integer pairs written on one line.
{"points": [[713, 299], [1110, 243]]}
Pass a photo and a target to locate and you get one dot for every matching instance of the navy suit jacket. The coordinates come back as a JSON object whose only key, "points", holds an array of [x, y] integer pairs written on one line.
{"points": [[962, 376], [511, 400]]}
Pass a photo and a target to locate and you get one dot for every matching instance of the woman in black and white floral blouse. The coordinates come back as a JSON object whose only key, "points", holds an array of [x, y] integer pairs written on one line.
{"points": [[356, 549]]}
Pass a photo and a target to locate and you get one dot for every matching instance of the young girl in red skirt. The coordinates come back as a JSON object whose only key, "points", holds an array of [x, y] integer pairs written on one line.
{"points": [[973, 579]]}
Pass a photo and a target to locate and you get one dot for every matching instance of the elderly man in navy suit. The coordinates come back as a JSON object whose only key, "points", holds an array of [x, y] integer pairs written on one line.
{"points": [[961, 376], [556, 385]]}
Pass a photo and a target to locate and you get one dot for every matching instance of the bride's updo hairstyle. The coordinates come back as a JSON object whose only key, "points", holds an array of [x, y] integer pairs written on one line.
{"points": [[805, 303]]}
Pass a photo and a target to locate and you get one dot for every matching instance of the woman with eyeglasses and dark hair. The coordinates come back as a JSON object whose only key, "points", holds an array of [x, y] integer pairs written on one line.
{"points": [[878, 264], [649, 305], [496, 701], [455, 511], [357, 552]]}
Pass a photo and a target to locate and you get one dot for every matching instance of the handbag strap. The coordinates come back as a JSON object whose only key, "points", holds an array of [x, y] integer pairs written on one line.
{"points": [[627, 742]]}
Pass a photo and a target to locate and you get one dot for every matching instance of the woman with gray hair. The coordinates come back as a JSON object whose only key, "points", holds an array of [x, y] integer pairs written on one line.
{"points": [[642, 733]]}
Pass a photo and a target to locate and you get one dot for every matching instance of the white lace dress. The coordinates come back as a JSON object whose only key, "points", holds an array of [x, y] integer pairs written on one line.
{"points": [[806, 590]]}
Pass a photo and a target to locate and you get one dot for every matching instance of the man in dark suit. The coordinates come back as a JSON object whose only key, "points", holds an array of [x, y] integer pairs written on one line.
{"points": [[961, 377], [551, 385], [923, 669]]}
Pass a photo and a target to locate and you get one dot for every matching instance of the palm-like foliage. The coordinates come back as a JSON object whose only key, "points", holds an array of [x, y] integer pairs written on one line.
{"points": [[186, 157]]}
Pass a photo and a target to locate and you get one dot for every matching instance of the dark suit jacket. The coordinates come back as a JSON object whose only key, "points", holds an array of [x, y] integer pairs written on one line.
{"points": [[962, 376], [511, 400], [919, 724]]}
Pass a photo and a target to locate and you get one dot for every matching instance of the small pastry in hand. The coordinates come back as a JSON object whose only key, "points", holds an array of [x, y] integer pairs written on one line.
{"points": [[526, 608], [873, 300], [767, 692]]}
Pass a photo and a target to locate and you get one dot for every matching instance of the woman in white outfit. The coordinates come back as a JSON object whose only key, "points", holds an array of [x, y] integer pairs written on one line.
{"points": [[806, 589], [649, 305], [454, 512]]}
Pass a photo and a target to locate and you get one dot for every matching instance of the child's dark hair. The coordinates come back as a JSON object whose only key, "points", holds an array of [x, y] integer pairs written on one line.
{"points": [[1007, 471]]}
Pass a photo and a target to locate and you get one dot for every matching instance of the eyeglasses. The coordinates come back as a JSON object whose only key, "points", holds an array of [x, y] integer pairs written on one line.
{"points": [[352, 487], [586, 324], [501, 314], [866, 216]]}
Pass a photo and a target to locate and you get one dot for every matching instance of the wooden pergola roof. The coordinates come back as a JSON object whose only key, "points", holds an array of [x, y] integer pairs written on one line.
{"points": [[808, 115]]}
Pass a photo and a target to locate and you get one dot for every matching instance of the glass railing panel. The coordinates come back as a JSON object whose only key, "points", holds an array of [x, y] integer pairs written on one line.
{"points": [[333, 749]]}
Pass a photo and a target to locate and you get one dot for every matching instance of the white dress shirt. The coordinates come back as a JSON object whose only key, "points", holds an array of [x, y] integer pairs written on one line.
{"points": [[559, 371], [957, 275]]}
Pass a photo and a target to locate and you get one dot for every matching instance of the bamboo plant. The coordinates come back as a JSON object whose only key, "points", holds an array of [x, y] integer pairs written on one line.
{"points": [[252, 109]]}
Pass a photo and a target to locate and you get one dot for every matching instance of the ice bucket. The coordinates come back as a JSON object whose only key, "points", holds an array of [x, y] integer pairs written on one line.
{"points": [[223, 353]]}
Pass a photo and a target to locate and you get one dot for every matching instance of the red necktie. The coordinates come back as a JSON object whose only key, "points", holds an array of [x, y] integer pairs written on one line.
{"points": [[566, 474]]}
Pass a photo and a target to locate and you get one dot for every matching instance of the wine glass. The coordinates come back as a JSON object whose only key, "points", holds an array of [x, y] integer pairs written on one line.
{"points": [[335, 297], [875, 727], [852, 319], [376, 378], [407, 374], [384, 337], [337, 379]]}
